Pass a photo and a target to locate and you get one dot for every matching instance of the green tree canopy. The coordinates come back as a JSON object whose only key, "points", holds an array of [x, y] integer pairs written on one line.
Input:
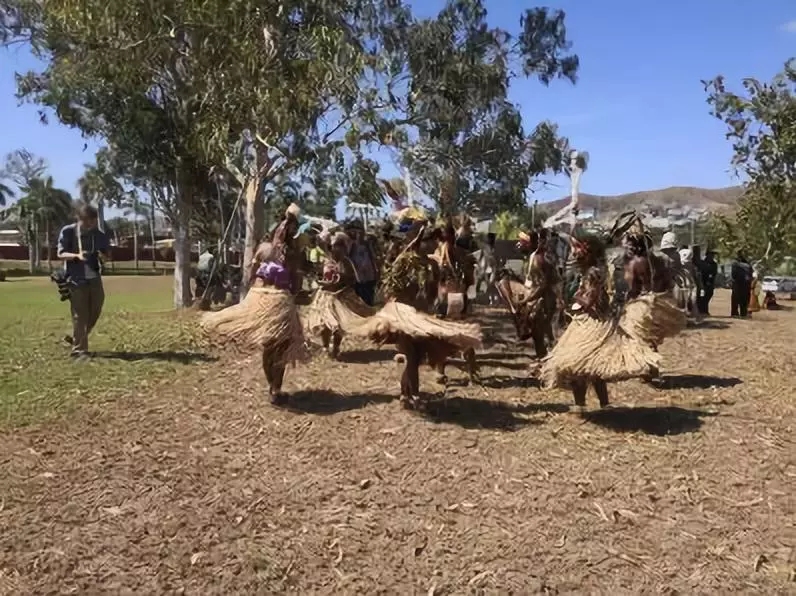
{"points": [[170, 87], [466, 144], [761, 123]]}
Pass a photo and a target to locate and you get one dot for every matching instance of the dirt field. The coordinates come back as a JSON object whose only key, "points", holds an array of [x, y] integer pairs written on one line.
{"points": [[198, 486]]}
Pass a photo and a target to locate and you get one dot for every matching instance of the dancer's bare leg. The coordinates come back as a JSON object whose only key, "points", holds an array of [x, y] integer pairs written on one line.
{"points": [[326, 338], [579, 389], [471, 365], [601, 389], [275, 376], [538, 333], [410, 379], [442, 378], [337, 338]]}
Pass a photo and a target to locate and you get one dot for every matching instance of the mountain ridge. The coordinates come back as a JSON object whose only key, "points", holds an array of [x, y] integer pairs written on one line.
{"points": [[673, 197]]}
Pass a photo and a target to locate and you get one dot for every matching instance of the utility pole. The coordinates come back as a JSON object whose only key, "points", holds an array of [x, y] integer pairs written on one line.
{"points": [[408, 185], [533, 213]]}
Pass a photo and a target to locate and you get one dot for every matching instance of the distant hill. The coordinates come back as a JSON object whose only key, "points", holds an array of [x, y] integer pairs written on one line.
{"points": [[657, 201]]}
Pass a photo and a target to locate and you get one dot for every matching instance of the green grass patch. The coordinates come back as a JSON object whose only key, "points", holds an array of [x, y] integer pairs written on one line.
{"points": [[139, 339]]}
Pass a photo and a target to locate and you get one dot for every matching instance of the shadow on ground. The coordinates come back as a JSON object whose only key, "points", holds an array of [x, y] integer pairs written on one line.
{"points": [[660, 421], [366, 356], [510, 382], [499, 381], [486, 414], [707, 324], [498, 355], [165, 356], [325, 402], [494, 363], [696, 382]]}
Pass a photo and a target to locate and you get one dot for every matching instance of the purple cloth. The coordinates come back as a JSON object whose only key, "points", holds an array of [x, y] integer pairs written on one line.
{"points": [[275, 274]]}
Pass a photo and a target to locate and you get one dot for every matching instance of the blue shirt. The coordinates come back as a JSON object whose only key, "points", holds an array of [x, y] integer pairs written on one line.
{"points": [[94, 241]]}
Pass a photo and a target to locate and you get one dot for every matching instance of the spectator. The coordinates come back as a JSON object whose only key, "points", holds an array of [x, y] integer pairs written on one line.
{"points": [[741, 286], [80, 246], [363, 256], [708, 269], [754, 295]]}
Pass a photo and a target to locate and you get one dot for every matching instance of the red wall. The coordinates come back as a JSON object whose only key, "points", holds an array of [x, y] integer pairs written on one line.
{"points": [[118, 253]]}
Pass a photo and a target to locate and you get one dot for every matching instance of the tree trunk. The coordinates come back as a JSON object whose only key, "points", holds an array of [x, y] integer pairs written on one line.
{"points": [[182, 248], [254, 226], [31, 248], [101, 214], [37, 243], [152, 231], [223, 242], [49, 246], [135, 237]]}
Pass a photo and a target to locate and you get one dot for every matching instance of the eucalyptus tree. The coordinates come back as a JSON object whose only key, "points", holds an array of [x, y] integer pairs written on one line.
{"points": [[464, 142], [761, 124], [174, 84]]}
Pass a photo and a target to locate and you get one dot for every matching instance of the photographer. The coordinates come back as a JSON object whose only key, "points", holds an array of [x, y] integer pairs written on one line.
{"points": [[80, 245]]}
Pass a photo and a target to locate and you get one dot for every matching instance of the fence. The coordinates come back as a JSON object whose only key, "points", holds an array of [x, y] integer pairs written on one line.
{"points": [[118, 253]]}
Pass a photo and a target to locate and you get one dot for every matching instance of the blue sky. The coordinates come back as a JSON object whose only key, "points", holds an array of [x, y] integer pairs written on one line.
{"points": [[638, 108]]}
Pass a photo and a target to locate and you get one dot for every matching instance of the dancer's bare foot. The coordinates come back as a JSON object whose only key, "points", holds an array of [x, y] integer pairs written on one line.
{"points": [[278, 398], [411, 402]]}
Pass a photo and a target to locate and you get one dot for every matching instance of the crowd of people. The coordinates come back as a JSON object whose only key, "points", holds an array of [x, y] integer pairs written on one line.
{"points": [[424, 275], [412, 285]]}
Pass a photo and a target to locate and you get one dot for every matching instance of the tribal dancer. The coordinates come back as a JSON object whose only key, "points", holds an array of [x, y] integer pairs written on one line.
{"points": [[651, 313], [535, 302], [336, 306], [410, 284], [456, 275], [267, 317], [644, 270], [598, 347], [410, 276]]}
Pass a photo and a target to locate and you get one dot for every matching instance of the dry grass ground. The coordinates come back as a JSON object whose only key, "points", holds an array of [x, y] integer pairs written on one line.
{"points": [[185, 480]]}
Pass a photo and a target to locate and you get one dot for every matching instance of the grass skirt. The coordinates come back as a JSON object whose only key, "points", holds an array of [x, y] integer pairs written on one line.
{"points": [[337, 311], [396, 319], [594, 348], [651, 318], [614, 350], [267, 318]]}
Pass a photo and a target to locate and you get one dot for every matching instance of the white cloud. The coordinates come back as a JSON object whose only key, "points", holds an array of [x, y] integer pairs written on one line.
{"points": [[789, 27]]}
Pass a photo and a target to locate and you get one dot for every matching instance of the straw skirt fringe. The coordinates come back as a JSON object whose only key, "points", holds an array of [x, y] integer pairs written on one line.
{"points": [[652, 317], [337, 311], [593, 348], [615, 350], [267, 318], [396, 319]]}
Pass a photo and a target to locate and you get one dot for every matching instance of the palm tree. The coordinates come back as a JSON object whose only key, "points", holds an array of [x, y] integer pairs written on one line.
{"points": [[99, 186], [40, 206], [6, 194]]}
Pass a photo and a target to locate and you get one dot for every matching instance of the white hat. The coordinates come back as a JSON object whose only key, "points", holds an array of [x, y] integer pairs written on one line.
{"points": [[668, 241]]}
